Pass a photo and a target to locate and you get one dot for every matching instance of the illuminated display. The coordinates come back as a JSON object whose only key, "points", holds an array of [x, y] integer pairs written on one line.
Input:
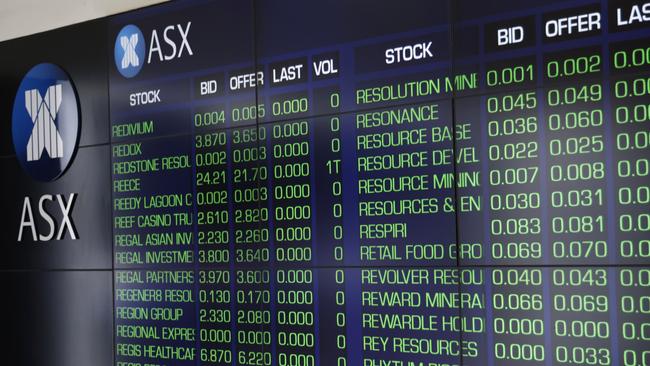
{"points": [[393, 183]]}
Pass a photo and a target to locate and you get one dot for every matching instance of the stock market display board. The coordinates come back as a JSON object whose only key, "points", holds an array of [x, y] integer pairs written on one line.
{"points": [[381, 183]]}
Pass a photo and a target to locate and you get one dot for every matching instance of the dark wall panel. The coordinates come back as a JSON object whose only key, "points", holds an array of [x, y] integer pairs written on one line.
{"points": [[57, 318], [89, 178]]}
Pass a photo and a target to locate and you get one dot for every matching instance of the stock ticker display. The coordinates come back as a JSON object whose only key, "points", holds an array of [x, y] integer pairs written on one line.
{"points": [[363, 183]]}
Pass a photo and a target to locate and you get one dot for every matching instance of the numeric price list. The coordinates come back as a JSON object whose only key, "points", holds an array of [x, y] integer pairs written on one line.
{"points": [[450, 184]]}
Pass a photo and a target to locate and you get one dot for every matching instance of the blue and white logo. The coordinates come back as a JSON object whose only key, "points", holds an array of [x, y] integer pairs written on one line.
{"points": [[129, 51], [45, 122]]}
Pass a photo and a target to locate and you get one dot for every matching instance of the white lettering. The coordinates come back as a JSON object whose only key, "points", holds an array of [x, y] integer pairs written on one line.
{"points": [[574, 24], [408, 53]]}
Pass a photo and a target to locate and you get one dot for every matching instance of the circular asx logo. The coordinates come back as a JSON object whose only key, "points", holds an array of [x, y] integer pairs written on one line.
{"points": [[129, 51], [45, 122]]}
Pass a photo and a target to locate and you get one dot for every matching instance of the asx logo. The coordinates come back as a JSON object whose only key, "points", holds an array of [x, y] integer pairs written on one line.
{"points": [[45, 128], [45, 122], [130, 47]]}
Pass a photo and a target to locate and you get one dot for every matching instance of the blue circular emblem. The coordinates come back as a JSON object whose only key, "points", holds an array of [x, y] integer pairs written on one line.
{"points": [[129, 51], [45, 122]]}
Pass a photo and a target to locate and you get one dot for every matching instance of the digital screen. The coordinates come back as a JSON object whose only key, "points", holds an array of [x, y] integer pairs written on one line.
{"points": [[364, 183]]}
